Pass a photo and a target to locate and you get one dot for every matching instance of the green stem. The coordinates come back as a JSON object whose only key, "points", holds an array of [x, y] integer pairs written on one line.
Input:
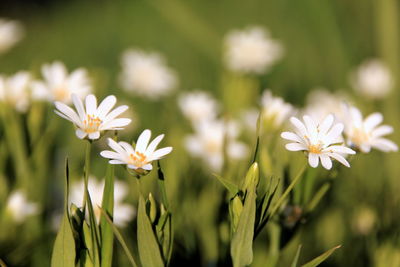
{"points": [[86, 174], [287, 191]]}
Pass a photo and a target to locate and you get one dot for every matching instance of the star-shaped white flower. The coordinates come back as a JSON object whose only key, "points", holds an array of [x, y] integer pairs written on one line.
{"points": [[198, 106], [59, 85], [14, 90], [319, 140], [274, 109], [365, 134], [10, 33], [140, 157], [93, 120]]}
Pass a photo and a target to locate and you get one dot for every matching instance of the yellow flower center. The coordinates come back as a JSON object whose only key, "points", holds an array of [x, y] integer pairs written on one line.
{"points": [[360, 136], [315, 148], [61, 93], [92, 124], [138, 159]]}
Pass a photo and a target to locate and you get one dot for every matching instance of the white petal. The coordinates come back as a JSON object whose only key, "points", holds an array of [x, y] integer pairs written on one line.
{"points": [[91, 104], [69, 112], [63, 116], [372, 121], [116, 161], [326, 124], [106, 105], [310, 124], [299, 125], [295, 147], [134, 167], [142, 141], [114, 145], [110, 154], [128, 148], [115, 123], [382, 130], [94, 135], [313, 160], [81, 134], [339, 158], [79, 106], [153, 144], [115, 113], [325, 161], [147, 167], [340, 149], [384, 145], [292, 137], [158, 154], [333, 134]]}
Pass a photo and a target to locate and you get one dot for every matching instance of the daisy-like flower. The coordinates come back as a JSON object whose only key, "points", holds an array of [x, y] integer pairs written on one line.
{"points": [[20, 208], [321, 103], [93, 120], [198, 106], [140, 157], [14, 90], [123, 213], [251, 50], [373, 79], [147, 75], [367, 133], [274, 109], [11, 32], [59, 85], [319, 140], [207, 143]]}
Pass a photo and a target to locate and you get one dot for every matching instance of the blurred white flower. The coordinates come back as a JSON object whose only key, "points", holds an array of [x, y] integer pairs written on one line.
{"points": [[95, 119], [11, 32], [274, 109], [249, 119], [59, 85], [123, 213], [14, 90], [251, 50], [140, 157], [321, 103], [198, 106], [365, 134], [147, 75], [20, 208], [207, 143], [372, 79], [319, 140]]}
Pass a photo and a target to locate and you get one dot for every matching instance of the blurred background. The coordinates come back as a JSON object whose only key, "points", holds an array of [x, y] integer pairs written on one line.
{"points": [[323, 42]]}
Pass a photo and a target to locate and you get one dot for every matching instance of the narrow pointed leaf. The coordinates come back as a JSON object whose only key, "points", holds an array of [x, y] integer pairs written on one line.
{"points": [[64, 247], [149, 250], [296, 257], [318, 260], [230, 186]]}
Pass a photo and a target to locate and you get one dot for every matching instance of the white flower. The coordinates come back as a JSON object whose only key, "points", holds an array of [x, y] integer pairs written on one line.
{"points": [[365, 134], [198, 106], [95, 119], [140, 157], [275, 109], [59, 85], [11, 32], [14, 90], [319, 140], [146, 74], [251, 50], [373, 79], [249, 118], [208, 143], [20, 208], [123, 213]]}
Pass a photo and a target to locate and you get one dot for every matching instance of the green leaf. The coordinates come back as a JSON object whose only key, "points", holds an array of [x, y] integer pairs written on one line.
{"points": [[64, 247], [296, 257], [320, 258], [120, 238], [230, 186], [149, 250], [107, 236], [242, 240]]}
